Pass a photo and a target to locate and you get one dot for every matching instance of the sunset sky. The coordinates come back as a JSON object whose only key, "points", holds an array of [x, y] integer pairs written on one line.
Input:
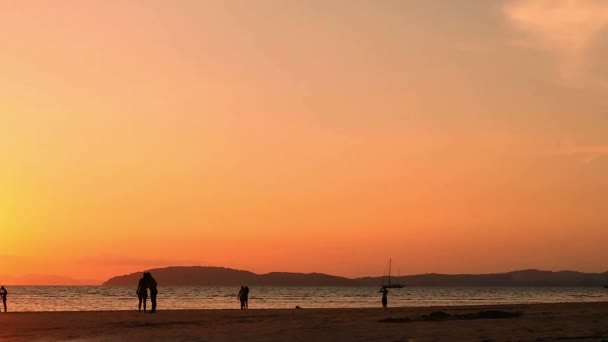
{"points": [[306, 136]]}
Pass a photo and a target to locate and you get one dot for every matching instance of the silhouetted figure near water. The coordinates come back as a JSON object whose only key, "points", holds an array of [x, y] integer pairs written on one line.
{"points": [[142, 293], [3, 294], [241, 296], [384, 292], [246, 295], [152, 285]]}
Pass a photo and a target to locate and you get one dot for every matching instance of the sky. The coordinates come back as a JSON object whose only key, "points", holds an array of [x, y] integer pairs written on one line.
{"points": [[305, 136]]}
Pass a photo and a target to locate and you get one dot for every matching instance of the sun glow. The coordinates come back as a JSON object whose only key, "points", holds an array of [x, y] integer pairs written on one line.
{"points": [[185, 133]]}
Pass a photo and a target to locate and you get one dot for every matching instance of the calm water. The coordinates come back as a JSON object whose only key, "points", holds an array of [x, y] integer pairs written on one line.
{"points": [[70, 298]]}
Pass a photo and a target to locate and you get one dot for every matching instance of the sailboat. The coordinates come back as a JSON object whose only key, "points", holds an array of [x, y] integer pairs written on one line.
{"points": [[391, 285]]}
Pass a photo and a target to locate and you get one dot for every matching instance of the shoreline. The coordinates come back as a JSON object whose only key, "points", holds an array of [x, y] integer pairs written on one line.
{"points": [[524, 322], [414, 307], [118, 299]]}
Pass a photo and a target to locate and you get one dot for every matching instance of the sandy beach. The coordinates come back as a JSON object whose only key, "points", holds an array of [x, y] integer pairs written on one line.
{"points": [[540, 322]]}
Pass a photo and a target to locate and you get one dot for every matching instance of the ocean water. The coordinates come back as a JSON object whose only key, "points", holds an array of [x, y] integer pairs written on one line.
{"points": [[78, 298]]}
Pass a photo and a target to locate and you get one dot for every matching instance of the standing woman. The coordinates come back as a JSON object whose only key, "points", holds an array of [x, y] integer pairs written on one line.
{"points": [[3, 294], [384, 292], [142, 293]]}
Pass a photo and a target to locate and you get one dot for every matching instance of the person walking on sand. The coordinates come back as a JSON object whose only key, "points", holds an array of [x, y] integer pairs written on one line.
{"points": [[384, 292], [241, 296], [142, 293], [3, 294], [152, 285]]}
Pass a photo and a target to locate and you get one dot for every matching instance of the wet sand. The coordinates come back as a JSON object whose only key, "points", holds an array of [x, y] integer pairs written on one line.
{"points": [[539, 322]]}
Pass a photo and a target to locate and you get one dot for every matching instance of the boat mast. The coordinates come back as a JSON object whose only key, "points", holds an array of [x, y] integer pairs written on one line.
{"points": [[390, 261]]}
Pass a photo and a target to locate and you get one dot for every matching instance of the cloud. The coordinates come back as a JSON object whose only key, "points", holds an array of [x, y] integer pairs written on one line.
{"points": [[569, 29], [472, 47], [111, 260], [586, 154], [48, 279]]}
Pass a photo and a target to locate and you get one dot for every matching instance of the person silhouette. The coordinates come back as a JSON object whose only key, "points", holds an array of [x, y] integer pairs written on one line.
{"points": [[384, 292], [241, 296], [246, 297], [152, 285], [142, 293], [3, 294]]}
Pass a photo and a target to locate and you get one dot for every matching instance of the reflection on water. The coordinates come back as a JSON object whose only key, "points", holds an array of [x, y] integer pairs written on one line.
{"points": [[70, 298]]}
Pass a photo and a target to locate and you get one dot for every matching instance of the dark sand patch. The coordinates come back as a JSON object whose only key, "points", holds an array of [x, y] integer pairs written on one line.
{"points": [[438, 316]]}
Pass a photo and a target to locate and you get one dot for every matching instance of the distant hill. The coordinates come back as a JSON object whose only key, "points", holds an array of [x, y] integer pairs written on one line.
{"points": [[220, 276], [516, 278]]}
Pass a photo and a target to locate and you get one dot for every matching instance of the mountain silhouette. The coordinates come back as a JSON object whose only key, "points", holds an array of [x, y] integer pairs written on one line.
{"points": [[220, 276]]}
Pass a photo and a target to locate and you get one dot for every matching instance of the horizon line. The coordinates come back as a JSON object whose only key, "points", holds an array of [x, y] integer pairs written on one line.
{"points": [[97, 282]]}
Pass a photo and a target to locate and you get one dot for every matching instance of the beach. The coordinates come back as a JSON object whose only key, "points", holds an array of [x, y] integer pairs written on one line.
{"points": [[534, 322]]}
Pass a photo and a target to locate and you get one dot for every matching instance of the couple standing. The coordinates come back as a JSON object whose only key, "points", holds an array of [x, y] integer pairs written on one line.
{"points": [[243, 296], [145, 283]]}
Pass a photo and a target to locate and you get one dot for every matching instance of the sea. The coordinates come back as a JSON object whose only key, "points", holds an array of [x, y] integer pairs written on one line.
{"points": [[106, 298]]}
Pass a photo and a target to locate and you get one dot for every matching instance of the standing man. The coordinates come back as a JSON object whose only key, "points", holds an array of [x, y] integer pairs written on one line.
{"points": [[3, 294], [152, 285], [246, 295], [241, 296]]}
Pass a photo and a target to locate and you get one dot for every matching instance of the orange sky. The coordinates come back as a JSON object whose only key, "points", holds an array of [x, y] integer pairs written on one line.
{"points": [[302, 136]]}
